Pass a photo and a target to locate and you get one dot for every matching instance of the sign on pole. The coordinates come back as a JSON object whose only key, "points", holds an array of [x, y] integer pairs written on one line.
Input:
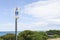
{"points": [[16, 13]]}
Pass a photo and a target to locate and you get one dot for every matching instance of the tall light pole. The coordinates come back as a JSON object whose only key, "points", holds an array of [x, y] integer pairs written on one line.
{"points": [[16, 18]]}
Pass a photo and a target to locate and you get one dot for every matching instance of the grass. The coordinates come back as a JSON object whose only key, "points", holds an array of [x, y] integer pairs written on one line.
{"points": [[54, 39]]}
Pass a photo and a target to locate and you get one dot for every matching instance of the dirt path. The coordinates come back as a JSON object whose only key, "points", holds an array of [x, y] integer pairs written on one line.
{"points": [[55, 39]]}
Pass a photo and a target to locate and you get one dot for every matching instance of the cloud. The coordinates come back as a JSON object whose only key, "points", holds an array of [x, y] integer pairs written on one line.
{"points": [[31, 26], [7, 27], [21, 26], [45, 16], [48, 11], [44, 9]]}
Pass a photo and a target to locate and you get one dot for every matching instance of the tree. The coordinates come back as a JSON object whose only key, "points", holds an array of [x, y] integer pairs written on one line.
{"points": [[9, 37], [25, 35], [52, 32], [44, 35], [32, 35]]}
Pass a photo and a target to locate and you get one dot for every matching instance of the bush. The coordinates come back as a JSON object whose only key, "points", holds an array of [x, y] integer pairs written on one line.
{"points": [[32, 35], [1, 39], [56, 36], [9, 37]]}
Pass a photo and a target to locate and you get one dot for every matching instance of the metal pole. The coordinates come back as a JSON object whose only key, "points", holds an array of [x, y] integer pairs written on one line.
{"points": [[15, 28], [16, 18]]}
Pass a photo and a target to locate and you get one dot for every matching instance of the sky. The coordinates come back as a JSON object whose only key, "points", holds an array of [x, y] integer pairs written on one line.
{"points": [[36, 15]]}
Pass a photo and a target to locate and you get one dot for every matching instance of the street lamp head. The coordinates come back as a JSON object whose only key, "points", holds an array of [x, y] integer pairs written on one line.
{"points": [[16, 8], [16, 13]]}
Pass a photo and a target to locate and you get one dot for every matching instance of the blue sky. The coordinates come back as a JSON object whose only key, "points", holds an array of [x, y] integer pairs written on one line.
{"points": [[33, 15]]}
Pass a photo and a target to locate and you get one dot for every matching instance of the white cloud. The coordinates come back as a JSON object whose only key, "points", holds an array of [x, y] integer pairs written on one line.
{"points": [[21, 26], [31, 26], [48, 10], [7, 27], [55, 20], [44, 9]]}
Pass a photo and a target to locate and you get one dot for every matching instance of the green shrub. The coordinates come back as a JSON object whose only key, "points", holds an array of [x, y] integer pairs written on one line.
{"points": [[56, 36], [32, 35], [1, 39], [9, 37]]}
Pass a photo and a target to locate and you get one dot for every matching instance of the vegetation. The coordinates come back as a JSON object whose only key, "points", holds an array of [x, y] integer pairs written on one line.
{"points": [[32, 35], [54, 33], [9, 37], [56, 36], [1, 39]]}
